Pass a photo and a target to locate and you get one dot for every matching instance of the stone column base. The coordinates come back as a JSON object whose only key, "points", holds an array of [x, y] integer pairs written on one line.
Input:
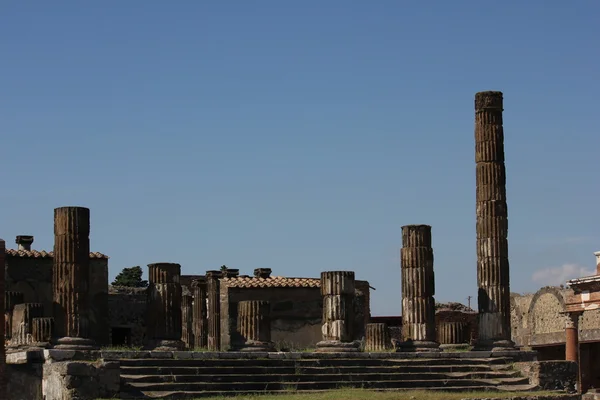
{"points": [[75, 343], [418, 346], [166, 345], [495, 345], [336, 346], [256, 346]]}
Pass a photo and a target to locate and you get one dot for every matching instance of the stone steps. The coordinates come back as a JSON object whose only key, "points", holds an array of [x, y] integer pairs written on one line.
{"points": [[172, 378], [247, 370], [338, 377]]}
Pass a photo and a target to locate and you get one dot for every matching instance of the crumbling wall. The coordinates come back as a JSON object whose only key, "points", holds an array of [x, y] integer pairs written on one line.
{"points": [[31, 276], [127, 309], [81, 380], [24, 381], [550, 375]]}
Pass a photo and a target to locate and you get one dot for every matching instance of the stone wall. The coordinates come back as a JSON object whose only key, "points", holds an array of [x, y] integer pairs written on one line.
{"points": [[98, 293], [550, 375], [296, 314], [127, 310], [80, 380], [24, 381]]}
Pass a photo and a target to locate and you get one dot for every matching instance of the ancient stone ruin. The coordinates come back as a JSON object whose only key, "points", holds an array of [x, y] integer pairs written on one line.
{"points": [[69, 335]]}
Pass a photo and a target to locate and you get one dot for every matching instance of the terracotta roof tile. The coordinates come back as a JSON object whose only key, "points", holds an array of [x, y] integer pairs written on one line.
{"points": [[273, 281], [43, 254]]}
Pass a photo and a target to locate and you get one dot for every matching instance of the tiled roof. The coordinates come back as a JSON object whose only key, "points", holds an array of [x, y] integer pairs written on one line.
{"points": [[43, 254], [273, 281]]}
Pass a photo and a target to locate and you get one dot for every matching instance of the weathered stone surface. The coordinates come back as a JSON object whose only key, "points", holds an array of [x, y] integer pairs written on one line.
{"points": [[262, 273], [81, 380], [418, 289], [164, 307], [254, 325], [550, 375], [11, 298], [200, 314], [492, 225], [338, 291], [377, 337], [71, 272], [22, 323], [187, 322], [42, 331], [24, 381], [214, 309]]}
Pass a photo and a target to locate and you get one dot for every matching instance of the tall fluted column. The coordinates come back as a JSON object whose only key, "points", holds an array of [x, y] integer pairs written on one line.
{"points": [[254, 325], [200, 313], [187, 326], [418, 289], [493, 296], [2, 338], [213, 287], [164, 307], [70, 275], [338, 291], [377, 338]]}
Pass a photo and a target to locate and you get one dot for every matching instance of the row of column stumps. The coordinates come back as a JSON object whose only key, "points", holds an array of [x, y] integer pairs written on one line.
{"points": [[338, 292], [187, 321], [164, 320], [418, 289], [493, 295], [377, 337], [70, 278], [200, 313]]}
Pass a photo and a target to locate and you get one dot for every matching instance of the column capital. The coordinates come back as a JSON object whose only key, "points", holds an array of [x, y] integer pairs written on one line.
{"points": [[572, 319]]}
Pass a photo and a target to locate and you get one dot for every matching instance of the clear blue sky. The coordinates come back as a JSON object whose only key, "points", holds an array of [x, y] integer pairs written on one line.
{"points": [[301, 135]]}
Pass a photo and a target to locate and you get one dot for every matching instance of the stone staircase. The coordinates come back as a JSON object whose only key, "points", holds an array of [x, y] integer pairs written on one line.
{"points": [[172, 378]]}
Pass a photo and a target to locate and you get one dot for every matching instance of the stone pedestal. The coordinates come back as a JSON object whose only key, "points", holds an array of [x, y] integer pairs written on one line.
{"points": [[200, 314], [22, 324], [213, 287], [11, 299], [187, 326], [493, 296], [338, 291], [377, 338], [418, 289], [70, 274], [254, 326], [163, 321]]}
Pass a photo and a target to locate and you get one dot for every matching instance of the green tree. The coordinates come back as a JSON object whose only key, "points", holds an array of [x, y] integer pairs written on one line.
{"points": [[130, 277], [224, 268]]}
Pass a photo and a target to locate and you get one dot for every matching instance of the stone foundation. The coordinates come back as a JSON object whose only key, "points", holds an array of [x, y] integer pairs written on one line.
{"points": [[550, 375]]}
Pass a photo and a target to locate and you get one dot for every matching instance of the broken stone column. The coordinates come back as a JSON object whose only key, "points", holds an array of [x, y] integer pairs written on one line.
{"points": [[11, 299], [338, 291], [418, 289], [22, 323], [42, 330], [164, 307], [187, 331], [70, 274], [493, 296], [3, 394], [200, 313], [377, 338], [213, 288], [254, 325]]}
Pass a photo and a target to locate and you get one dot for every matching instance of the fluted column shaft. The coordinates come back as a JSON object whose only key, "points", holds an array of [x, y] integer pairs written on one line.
{"points": [[377, 337], [338, 291], [213, 287], [200, 314], [452, 332], [164, 306], [493, 295], [418, 289], [11, 299], [71, 270], [187, 326], [2, 332], [42, 329], [254, 325]]}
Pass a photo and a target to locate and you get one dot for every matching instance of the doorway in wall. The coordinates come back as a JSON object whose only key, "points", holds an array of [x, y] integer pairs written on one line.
{"points": [[121, 336]]}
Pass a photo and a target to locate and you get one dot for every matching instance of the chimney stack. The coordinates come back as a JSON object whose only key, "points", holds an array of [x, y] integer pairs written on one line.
{"points": [[597, 254], [264, 273], [24, 242]]}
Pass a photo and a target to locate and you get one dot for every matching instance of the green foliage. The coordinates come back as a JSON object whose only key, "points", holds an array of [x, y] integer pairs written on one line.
{"points": [[130, 277], [224, 268]]}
